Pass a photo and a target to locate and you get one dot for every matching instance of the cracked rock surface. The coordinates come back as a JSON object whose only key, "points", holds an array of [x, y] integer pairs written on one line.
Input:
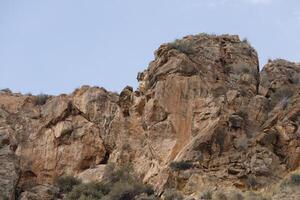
{"points": [[201, 101]]}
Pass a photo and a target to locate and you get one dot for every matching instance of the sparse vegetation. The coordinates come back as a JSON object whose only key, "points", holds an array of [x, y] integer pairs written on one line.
{"points": [[207, 195], [295, 180], [181, 165], [254, 196], [241, 143], [292, 181], [3, 197], [218, 91], [119, 184], [227, 68], [294, 78], [281, 96], [206, 35], [66, 183], [234, 195], [245, 70], [219, 195], [251, 182], [41, 99], [171, 194], [88, 191], [231, 195], [184, 46], [242, 113], [7, 90], [245, 40]]}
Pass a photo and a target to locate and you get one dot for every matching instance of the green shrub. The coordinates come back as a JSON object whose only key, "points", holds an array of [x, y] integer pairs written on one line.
{"points": [[218, 91], [281, 95], [295, 179], [207, 195], [119, 184], [128, 190], [171, 194], [66, 183], [241, 143], [125, 190], [184, 46], [3, 197], [294, 78], [254, 196], [143, 197], [88, 191], [234, 195], [6, 90], [251, 182], [114, 175], [246, 41], [242, 113], [181, 165], [219, 195], [245, 70], [41, 99]]}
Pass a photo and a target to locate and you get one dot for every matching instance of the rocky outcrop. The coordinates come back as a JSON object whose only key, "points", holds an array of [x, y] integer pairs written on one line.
{"points": [[203, 115], [9, 163]]}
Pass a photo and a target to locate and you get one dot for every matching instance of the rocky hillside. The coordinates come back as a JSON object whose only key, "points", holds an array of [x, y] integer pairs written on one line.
{"points": [[203, 120]]}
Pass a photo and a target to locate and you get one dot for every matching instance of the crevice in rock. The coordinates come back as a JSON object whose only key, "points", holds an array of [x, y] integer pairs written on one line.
{"points": [[257, 74], [69, 111], [105, 159]]}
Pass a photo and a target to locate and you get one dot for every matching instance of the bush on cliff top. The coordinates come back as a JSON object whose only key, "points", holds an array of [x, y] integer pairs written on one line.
{"points": [[41, 99], [184, 46]]}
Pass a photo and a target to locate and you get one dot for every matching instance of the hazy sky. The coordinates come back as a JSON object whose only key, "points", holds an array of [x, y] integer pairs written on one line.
{"points": [[55, 46]]}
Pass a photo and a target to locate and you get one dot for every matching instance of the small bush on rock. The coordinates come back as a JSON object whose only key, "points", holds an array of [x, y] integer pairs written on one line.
{"points": [[295, 179], [246, 41], [182, 165], [281, 95], [254, 196], [207, 195], [184, 46], [234, 195], [120, 184], [114, 175], [218, 91], [125, 190], [6, 90], [66, 183], [41, 99], [3, 197], [171, 194], [88, 191]]}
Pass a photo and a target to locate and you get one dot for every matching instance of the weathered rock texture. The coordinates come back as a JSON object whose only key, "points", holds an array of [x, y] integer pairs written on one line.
{"points": [[202, 105]]}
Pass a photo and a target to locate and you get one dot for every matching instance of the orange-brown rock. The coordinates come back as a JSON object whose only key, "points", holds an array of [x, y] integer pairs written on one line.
{"points": [[203, 115]]}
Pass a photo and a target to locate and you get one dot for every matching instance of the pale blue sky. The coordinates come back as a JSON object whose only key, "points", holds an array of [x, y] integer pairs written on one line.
{"points": [[55, 46]]}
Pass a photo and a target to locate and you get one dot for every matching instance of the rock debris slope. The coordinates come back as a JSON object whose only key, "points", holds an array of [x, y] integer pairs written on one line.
{"points": [[203, 115]]}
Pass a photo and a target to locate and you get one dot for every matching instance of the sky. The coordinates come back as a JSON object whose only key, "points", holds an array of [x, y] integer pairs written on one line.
{"points": [[55, 46]]}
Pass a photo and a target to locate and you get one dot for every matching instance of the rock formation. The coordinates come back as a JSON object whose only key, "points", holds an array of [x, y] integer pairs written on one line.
{"points": [[203, 116]]}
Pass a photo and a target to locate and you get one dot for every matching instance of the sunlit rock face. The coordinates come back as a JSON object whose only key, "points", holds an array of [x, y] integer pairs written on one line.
{"points": [[203, 115]]}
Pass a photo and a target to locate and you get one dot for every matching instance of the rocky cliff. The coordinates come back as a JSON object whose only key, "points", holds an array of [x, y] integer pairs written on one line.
{"points": [[204, 116]]}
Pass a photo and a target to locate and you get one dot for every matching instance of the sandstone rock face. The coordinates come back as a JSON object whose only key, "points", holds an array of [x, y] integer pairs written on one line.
{"points": [[202, 115], [9, 163]]}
